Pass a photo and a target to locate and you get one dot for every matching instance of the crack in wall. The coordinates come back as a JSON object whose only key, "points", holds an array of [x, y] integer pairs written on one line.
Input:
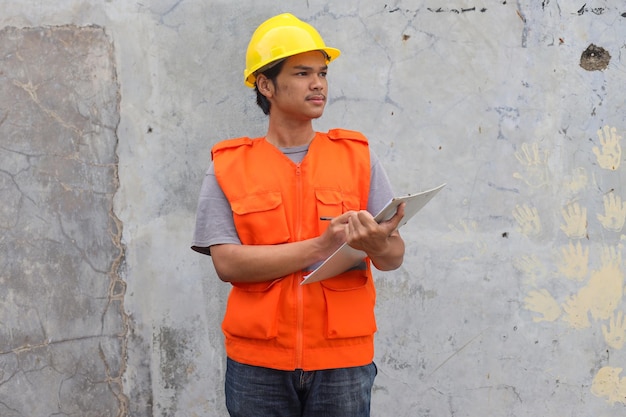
{"points": [[116, 294]]}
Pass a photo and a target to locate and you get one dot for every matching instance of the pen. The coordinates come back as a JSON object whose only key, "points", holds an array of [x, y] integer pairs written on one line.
{"points": [[326, 218]]}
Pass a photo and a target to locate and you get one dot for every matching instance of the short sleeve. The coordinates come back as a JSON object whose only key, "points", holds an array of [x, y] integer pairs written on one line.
{"points": [[214, 217]]}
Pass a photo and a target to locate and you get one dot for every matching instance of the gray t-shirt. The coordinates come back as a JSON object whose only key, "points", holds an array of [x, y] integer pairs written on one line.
{"points": [[214, 217]]}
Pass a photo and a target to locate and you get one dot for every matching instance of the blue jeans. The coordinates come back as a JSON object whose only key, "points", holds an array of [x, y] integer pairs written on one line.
{"points": [[252, 391]]}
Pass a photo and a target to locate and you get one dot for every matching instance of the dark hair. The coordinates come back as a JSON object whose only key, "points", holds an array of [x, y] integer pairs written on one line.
{"points": [[271, 73]]}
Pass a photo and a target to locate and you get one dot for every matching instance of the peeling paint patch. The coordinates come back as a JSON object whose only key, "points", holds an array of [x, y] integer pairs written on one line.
{"points": [[595, 58]]}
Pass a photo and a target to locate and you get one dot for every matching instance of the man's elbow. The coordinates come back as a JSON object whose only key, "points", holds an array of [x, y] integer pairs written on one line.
{"points": [[226, 278], [225, 272], [223, 269], [388, 264]]}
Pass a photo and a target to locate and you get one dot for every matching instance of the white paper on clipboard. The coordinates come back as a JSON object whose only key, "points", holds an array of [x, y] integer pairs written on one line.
{"points": [[346, 257]]}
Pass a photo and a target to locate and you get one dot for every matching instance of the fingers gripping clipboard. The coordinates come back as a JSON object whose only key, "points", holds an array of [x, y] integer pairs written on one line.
{"points": [[346, 257]]}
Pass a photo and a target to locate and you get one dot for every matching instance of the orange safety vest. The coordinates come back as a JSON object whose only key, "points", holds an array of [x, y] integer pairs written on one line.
{"points": [[281, 324]]}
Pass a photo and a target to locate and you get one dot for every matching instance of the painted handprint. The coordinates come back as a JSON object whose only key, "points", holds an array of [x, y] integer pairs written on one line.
{"points": [[577, 181], [574, 261], [531, 266], [577, 311], [609, 156], [528, 220], [542, 302], [535, 162], [467, 231], [606, 285], [575, 226], [615, 334], [614, 213], [608, 384]]}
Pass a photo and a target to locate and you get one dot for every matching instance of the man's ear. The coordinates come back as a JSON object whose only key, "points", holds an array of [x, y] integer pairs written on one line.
{"points": [[264, 85]]}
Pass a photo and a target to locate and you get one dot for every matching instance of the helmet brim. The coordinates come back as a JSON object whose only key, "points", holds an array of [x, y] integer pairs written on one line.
{"points": [[250, 75]]}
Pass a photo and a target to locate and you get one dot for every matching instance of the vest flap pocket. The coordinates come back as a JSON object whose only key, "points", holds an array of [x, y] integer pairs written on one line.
{"points": [[333, 203], [350, 303], [257, 202], [336, 198], [329, 204], [252, 312], [260, 219], [351, 202], [330, 197]]}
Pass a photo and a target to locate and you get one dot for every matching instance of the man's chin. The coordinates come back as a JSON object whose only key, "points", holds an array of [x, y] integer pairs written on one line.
{"points": [[317, 114]]}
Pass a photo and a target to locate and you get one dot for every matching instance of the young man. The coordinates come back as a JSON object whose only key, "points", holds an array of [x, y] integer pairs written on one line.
{"points": [[296, 350]]}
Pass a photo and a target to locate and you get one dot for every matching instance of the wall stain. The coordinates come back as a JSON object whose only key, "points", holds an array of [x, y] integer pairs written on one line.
{"points": [[175, 364]]}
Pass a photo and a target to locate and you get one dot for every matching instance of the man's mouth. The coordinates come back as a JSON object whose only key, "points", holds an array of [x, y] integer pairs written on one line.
{"points": [[317, 97]]}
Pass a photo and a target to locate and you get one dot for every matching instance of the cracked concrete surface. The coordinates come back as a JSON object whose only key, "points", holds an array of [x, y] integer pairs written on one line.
{"points": [[63, 326]]}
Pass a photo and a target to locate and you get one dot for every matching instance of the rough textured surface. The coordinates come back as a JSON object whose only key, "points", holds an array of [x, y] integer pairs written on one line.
{"points": [[63, 330], [510, 301]]}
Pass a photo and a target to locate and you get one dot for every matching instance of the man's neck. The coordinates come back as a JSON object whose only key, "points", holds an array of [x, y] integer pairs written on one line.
{"points": [[288, 135]]}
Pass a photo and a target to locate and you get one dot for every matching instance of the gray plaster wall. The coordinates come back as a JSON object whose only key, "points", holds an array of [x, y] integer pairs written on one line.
{"points": [[510, 301]]}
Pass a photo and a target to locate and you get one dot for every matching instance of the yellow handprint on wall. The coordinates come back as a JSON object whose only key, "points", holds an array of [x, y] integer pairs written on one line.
{"points": [[531, 266], [606, 285], [615, 213], [615, 334], [607, 384], [542, 302], [609, 156], [577, 181], [577, 312], [575, 226], [467, 231], [528, 220], [536, 163], [574, 261]]}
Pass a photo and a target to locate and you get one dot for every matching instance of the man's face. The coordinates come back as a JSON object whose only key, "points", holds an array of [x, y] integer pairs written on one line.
{"points": [[301, 88]]}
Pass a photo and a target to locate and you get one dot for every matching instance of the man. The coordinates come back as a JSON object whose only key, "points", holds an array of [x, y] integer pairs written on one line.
{"points": [[296, 350]]}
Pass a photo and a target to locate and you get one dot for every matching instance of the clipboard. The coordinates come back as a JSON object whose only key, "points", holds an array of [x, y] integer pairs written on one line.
{"points": [[347, 257]]}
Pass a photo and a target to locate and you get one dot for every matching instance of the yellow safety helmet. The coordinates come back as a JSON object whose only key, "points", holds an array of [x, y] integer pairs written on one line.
{"points": [[280, 37]]}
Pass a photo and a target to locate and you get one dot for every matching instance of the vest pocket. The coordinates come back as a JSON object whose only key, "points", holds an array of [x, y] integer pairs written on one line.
{"points": [[329, 202], [350, 301], [252, 310], [333, 203], [260, 219]]}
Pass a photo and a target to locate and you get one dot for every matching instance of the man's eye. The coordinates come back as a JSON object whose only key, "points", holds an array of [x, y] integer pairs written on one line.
{"points": [[323, 74]]}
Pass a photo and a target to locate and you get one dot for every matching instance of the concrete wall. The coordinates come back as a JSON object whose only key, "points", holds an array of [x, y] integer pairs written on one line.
{"points": [[511, 298]]}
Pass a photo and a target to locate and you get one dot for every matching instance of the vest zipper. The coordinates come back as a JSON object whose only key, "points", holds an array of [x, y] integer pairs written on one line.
{"points": [[299, 289]]}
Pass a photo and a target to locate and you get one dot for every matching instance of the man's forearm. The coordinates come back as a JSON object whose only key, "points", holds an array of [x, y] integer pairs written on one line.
{"points": [[258, 263]]}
